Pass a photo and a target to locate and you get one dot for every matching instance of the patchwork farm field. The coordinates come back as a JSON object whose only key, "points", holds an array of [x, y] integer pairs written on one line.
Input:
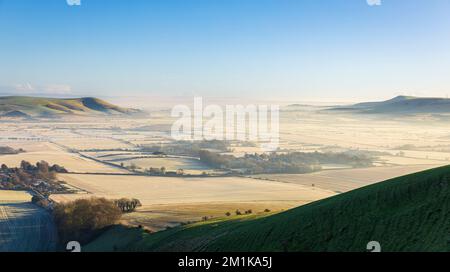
{"points": [[97, 152]]}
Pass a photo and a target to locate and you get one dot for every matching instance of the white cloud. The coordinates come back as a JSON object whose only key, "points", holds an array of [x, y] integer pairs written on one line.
{"points": [[57, 89], [73, 2], [24, 87]]}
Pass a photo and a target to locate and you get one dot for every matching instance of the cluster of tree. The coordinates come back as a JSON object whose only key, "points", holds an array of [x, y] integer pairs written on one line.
{"points": [[157, 171], [127, 205], [40, 177], [154, 171], [131, 167], [294, 163], [238, 212], [43, 169], [83, 219], [212, 144], [5, 150]]}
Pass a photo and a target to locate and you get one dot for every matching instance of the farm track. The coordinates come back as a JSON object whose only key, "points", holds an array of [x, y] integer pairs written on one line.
{"points": [[25, 227]]}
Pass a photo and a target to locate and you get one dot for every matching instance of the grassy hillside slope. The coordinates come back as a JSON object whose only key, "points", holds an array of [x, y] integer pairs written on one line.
{"points": [[410, 213], [21, 106]]}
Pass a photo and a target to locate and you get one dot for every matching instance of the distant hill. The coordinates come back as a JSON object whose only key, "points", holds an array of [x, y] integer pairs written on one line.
{"points": [[25, 107], [401, 105], [409, 213]]}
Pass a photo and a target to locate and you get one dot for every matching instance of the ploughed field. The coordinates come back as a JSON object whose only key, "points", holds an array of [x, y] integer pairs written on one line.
{"points": [[24, 227], [171, 190]]}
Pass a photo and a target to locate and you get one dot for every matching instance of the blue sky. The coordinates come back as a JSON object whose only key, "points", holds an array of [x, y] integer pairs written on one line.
{"points": [[299, 49]]}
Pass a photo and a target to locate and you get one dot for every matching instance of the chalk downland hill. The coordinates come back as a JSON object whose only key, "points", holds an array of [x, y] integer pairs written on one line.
{"points": [[25, 107], [401, 105], [409, 213]]}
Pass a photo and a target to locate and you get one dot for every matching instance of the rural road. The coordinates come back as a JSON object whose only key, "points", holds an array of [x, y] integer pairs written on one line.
{"points": [[25, 227]]}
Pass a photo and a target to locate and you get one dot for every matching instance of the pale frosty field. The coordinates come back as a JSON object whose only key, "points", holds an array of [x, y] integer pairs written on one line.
{"points": [[397, 160], [361, 131], [14, 196], [347, 179], [171, 164], [54, 155], [144, 161], [84, 143], [166, 190], [427, 155]]}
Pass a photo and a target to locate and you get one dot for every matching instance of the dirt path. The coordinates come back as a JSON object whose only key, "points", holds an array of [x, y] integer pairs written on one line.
{"points": [[25, 227]]}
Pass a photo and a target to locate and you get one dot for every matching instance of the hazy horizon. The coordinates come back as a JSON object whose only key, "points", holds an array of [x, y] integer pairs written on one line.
{"points": [[158, 102]]}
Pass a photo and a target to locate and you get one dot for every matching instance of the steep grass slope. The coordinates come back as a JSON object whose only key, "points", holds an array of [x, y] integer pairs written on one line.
{"points": [[21, 106], [409, 213]]}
